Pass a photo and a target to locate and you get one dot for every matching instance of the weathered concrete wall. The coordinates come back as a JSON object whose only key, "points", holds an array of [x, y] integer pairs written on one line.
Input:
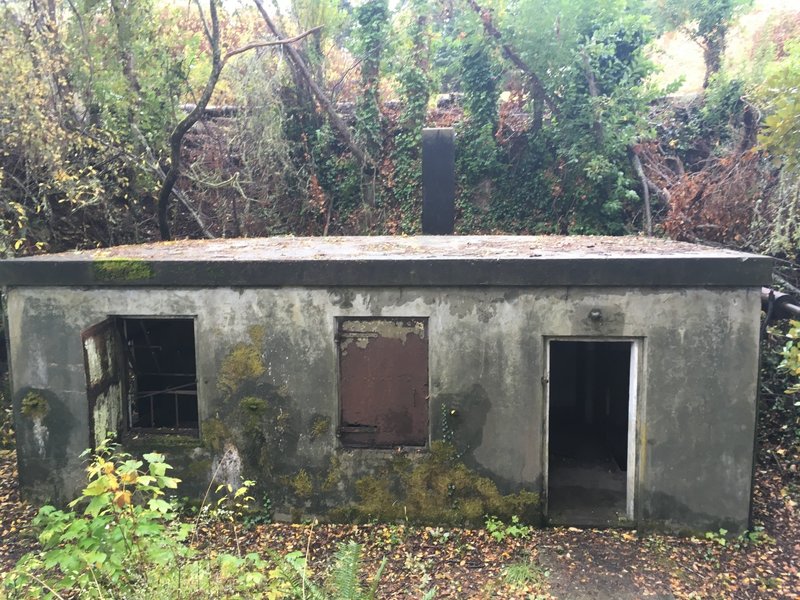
{"points": [[268, 404]]}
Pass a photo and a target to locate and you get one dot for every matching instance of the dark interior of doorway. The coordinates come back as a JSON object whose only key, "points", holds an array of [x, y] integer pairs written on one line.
{"points": [[161, 373], [588, 432]]}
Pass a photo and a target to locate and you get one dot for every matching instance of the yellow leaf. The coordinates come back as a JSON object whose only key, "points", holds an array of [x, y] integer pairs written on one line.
{"points": [[129, 478], [122, 498]]}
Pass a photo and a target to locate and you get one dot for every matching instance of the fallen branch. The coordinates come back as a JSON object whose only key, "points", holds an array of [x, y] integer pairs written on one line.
{"points": [[795, 290], [324, 101], [537, 86]]}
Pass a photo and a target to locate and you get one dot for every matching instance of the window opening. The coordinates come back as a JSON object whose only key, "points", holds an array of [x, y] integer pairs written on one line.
{"points": [[383, 382], [589, 398], [161, 373]]}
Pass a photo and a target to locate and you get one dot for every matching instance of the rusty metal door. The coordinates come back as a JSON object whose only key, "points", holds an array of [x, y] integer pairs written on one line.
{"points": [[104, 379], [383, 382]]}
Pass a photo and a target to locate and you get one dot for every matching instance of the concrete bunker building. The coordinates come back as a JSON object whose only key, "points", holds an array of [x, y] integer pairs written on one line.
{"points": [[582, 380]]}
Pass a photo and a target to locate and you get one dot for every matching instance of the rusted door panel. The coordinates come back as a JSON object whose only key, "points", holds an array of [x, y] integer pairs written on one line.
{"points": [[383, 382], [104, 380]]}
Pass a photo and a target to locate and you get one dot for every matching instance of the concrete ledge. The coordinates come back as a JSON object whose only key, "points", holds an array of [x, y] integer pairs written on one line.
{"points": [[424, 261]]}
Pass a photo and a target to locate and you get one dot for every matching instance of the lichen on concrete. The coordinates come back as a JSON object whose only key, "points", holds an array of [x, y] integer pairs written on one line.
{"points": [[258, 421], [242, 363], [34, 406], [320, 426], [122, 269], [258, 334], [438, 489]]}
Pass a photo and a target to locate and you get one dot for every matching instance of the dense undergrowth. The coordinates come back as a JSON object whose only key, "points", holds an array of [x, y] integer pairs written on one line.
{"points": [[556, 133], [123, 538]]}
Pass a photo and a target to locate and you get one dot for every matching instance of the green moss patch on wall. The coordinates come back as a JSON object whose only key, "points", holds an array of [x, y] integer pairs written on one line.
{"points": [[215, 434], [302, 485], [34, 406], [333, 475], [438, 489], [160, 442], [243, 363], [253, 405], [121, 269], [320, 426], [252, 409]]}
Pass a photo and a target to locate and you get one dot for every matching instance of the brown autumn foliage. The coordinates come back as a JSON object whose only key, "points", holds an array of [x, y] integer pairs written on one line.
{"points": [[717, 203]]}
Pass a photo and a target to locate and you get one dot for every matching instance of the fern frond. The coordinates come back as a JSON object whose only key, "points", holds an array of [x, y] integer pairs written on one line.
{"points": [[296, 574], [344, 576], [430, 594], [376, 580]]}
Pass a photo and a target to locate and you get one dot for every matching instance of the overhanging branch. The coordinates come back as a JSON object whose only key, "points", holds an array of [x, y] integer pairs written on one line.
{"points": [[511, 54], [324, 101]]}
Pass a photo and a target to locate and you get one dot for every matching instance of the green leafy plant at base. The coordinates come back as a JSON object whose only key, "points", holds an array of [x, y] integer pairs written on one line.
{"points": [[121, 538], [500, 531], [791, 366], [260, 514], [525, 573], [122, 519], [718, 537]]}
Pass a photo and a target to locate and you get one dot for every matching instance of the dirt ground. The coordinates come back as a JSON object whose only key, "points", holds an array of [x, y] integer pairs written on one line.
{"points": [[568, 563]]}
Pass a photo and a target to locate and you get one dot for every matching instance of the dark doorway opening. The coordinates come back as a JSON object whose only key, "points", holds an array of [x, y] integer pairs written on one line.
{"points": [[161, 373], [589, 397]]}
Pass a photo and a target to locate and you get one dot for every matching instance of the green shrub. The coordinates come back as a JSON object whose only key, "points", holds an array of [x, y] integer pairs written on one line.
{"points": [[122, 539], [500, 531]]}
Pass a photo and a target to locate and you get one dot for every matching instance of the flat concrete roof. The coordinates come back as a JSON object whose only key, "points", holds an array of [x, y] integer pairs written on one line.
{"points": [[531, 261]]}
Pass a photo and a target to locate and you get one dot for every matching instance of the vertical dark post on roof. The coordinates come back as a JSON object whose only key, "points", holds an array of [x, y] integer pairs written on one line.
{"points": [[438, 180]]}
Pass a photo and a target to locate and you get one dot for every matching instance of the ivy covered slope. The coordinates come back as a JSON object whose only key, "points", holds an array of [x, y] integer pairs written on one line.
{"points": [[309, 119]]}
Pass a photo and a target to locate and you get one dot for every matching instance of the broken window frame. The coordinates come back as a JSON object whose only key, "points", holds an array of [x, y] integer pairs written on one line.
{"points": [[127, 378], [635, 412], [348, 433], [103, 374]]}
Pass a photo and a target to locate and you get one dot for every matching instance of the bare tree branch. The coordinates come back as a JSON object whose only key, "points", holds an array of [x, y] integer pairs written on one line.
{"points": [[263, 44], [203, 19], [324, 101], [537, 87], [183, 126]]}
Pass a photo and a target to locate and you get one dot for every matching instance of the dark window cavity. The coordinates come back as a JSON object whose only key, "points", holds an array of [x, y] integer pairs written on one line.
{"points": [[383, 382], [162, 373]]}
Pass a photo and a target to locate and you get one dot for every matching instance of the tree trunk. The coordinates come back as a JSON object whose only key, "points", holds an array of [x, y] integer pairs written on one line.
{"points": [[713, 51], [176, 139], [637, 166], [594, 93]]}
